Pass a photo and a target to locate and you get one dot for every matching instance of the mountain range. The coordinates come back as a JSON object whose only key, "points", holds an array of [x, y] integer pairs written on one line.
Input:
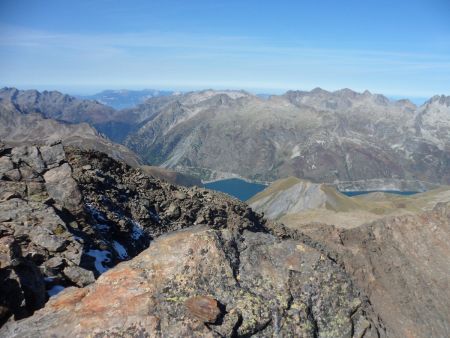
{"points": [[124, 98], [49, 117], [319, 135]]}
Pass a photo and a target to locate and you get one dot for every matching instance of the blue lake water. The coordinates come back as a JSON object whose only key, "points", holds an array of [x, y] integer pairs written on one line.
{"points": [[397, 192], [244, 190], [236, 187]]}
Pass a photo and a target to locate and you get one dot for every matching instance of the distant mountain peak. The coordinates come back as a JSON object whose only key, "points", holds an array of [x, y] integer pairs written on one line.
{"points": [[319, 90], [440, 99]]}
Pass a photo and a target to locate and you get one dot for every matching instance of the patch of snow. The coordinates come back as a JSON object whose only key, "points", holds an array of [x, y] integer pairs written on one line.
{"points": [[348, 161], [55, 290], [137, 231], [120, 249], [296, 152], [101, 257], [78, 239], [102, 227], [49, 279], [99, 217]]}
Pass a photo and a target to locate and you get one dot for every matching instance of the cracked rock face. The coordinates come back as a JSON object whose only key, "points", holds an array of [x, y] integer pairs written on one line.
{"points": [[266, 286], [402, 264]]}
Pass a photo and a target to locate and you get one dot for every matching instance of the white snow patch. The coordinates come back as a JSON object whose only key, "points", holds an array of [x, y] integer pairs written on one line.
{"points": [[120, 249], [137, 231], [296, 152], [95, 212], [98, 216], [55, 290], [78, 239], [101, 256], [102, 227]]}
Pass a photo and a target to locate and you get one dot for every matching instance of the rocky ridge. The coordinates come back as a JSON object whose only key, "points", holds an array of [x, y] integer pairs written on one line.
{"points": [[56, 105], [394, 247], [54, 219], [401, 263], [213, 267]]}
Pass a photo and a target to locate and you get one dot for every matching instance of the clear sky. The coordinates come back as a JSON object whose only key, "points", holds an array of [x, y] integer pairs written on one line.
{"points": [[396, 47]]}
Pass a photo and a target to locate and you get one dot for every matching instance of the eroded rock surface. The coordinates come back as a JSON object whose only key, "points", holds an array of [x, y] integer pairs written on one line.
{"points": [[266, 286], [402, 264]]}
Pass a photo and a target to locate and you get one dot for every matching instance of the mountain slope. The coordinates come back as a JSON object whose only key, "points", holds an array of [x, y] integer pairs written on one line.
{"points": [[55, 105], [320, 136], [20, 126], [293, 195], [401, 262], [298, 202], [395, 247]]}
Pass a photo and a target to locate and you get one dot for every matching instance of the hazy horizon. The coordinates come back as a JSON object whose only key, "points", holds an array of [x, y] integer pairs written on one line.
{"points": [[87, 91], [397, 49]]}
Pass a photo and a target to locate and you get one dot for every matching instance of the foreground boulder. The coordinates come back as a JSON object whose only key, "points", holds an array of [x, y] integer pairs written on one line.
{"points": [[212, 282]]}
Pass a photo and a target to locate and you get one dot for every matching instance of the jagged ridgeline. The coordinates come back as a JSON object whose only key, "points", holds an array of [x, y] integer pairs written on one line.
{"points": [[69, 215], [318, 135]]}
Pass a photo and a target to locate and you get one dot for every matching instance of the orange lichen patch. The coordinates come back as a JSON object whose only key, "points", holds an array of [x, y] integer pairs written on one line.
{"points": [[117, 311], [68, 299], [121, 275], [95, 302]]}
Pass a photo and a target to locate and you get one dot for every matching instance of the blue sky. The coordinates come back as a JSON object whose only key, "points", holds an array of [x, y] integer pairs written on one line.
{"points": [[399, 48]]}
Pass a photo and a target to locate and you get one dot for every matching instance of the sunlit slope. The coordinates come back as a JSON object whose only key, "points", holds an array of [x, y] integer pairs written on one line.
{"points": [[296, 202], [293, 195]]}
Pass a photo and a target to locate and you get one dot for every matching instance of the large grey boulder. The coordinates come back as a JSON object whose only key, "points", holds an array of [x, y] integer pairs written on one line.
{"points": [[63, 188]]}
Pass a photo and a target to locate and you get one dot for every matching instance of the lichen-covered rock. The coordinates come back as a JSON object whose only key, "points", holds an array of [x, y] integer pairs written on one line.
{"points": [[81, 277], [62, 187], [402, 263], [267, 287]]}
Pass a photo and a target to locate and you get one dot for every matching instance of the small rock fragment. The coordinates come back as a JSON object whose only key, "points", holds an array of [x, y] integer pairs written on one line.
{"points": [[79, 276], [204, 308]]}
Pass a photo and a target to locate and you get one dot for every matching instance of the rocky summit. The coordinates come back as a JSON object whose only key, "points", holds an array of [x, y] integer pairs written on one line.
{"points": [[395, 247], [192, 262]]}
